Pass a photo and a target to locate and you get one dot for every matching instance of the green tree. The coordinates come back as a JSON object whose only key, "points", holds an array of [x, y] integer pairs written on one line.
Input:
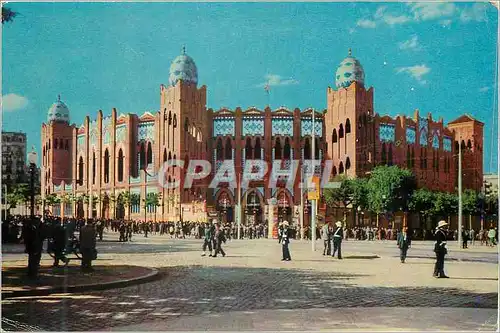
{"points": [[152, 200], [125, 199], [444, 205], [135, 200], [470, 204], [7, 15], [389, 189], [422, 203], [19, 193]]}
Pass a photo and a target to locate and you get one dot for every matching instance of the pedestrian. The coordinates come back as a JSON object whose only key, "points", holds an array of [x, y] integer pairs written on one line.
{"points": [[472, 236], [280, 231], [59, 243], [285, 240], [492, 236], [33, 235], [404, 242], [219, 238], [465, 238], [88, 246], [440, 249], [325, 236], [337, 240], [208, 239]]}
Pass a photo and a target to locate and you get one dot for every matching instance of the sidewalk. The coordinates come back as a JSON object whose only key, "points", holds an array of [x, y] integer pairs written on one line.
{"points": [[70, 279]]}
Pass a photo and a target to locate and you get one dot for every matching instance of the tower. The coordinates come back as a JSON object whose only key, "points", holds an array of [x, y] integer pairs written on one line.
{"points": [[184, 124], [469, 135], [57, 144], [349, 120]]}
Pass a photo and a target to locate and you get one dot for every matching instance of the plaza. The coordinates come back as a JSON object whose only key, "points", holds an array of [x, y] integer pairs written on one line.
{"points": [[251, 289]]}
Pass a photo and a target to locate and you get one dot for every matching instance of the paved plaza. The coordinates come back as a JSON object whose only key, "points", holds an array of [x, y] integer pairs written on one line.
{"points": [[252, 289]]}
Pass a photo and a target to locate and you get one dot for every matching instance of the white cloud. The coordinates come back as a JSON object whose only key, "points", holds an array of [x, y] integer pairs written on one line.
{"points": [[366, 24], [380, 12], [393, 20], [410, 44], [431, 10], [445, 23], [417, 72], [484, 89], [277, 80], [13, 102], [477, 12]]}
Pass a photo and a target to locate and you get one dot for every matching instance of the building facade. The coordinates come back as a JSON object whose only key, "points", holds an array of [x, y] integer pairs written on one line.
{"points": [[120, 153], [13, 158]]}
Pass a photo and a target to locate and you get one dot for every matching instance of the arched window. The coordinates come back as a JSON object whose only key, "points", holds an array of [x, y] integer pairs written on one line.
{"points": [[80, 171], [462, 145], [228, 150], [257, 150], [169, 156], [334, 171], [347, 163], [287, 150], [277, 149], [248, 149], [149, 154], [56, 144], [469, 144], [142, 156], [390, 162], [334, 136], [341, 131], [120, 165], [169, 117], [316, 148], [347, 126], [106, 166], [307, 150], [93, 168], [164, 155], [456, 146], [384, 155], [174, 121], [49, 144], [341, 168], [219, 150]]}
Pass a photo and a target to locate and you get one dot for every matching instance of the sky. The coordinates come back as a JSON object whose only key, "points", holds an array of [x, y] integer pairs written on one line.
{"points": [[435, 57]]}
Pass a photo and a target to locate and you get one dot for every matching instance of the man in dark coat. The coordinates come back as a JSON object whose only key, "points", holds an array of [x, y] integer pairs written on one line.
{"points": [[88, 246], [59, 243], [440, 249], [337, 240], [33, 235], [219, 238], [285, 240], [208, 239], [465, 238], [404, 242]]}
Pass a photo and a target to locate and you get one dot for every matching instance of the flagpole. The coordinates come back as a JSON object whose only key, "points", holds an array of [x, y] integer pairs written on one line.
{"points": [[313, 202], [239, 206]]}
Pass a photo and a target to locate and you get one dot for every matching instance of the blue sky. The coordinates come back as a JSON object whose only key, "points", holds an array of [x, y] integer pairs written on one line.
{"points": [[437, 57]]}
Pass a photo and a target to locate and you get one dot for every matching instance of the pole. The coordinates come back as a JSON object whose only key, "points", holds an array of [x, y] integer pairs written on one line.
{"points": [[239, 207], [313, 202], [32, 189], [301, 215], [460, 192]]}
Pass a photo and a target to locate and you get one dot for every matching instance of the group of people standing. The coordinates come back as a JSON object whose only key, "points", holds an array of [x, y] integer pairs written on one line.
{"points": [[214, 236]]}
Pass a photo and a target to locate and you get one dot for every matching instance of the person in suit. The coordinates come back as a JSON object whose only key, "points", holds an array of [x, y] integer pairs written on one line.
{"points": [[337, 240], [404, 242], [280, 231], [88, 246], [285, 240], [465, 238], [208, 239], [440, 249], [325, 236], [219, 238]]}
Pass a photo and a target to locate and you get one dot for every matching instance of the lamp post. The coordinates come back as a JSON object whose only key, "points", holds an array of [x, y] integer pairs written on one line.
{"points": [[32, 160], [359, 214]]}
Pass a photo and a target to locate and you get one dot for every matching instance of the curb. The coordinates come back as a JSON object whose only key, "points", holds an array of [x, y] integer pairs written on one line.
{"points": [[83, 287]]}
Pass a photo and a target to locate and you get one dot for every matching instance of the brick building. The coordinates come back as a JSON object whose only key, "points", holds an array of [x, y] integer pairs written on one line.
{"points": [[117, 153]]}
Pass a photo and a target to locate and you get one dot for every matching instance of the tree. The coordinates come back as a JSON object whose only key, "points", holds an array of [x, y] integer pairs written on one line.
{"points": [[125, 199], [389, 189], [135, 199], [470, 204], [7, 15], [19, 193], [422, 203], [151, 200], [445, 204]]}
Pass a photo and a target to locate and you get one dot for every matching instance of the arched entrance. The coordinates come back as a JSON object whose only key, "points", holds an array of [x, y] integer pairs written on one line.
{"points": [[225, 207], [284, 205], [253, 209], [105, 207], [120, 207]]}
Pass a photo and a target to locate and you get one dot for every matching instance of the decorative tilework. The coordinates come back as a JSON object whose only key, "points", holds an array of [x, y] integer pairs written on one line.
{"points": [[135, 180], [253, 126], [146, 132], [435, 140], [80, 142], [411, 135], [106, 130], [121, 133], [387, 132], [58, 188], [424, 125], [447, 143], [94, 132], [68, 187], [306, 127], [282, 126], [224, 126]]}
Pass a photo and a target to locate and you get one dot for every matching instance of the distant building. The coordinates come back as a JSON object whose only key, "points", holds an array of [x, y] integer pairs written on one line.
{"points": [[119, 153], [490, 183], [13, 158]]}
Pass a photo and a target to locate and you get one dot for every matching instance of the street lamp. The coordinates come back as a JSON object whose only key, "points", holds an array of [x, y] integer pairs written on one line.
{"points": [[32, 160]]}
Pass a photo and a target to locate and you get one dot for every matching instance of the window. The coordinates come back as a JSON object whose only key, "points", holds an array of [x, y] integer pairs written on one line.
{"points": [[287, 150], [149, 154], [80, 171], [277, 149], [347, 126], [348, 163], [228, 150], [56, 143], [106, 166], [307, 150], [334, 135], [384, 155], [120, 165], [257, 150], [164, 155], [341, 168], [142, 157], [248, 149], [341, 131], [93, 168]]}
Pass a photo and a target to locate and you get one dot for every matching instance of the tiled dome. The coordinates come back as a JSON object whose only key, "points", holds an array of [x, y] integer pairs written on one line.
{"points": [[183, 68], [349, 70], [58, 112]]}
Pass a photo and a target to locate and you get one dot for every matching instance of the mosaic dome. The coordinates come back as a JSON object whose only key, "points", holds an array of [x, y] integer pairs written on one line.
{"points": [[183, 68], [349, 70], [58, 112]]}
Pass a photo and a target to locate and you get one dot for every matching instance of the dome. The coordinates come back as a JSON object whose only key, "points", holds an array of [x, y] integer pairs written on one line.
{"points": [[349, 70], [183, 68], [58, 112]]}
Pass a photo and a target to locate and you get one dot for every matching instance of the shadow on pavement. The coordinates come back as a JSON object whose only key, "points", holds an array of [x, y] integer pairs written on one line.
{"points": [[199, 290]]}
